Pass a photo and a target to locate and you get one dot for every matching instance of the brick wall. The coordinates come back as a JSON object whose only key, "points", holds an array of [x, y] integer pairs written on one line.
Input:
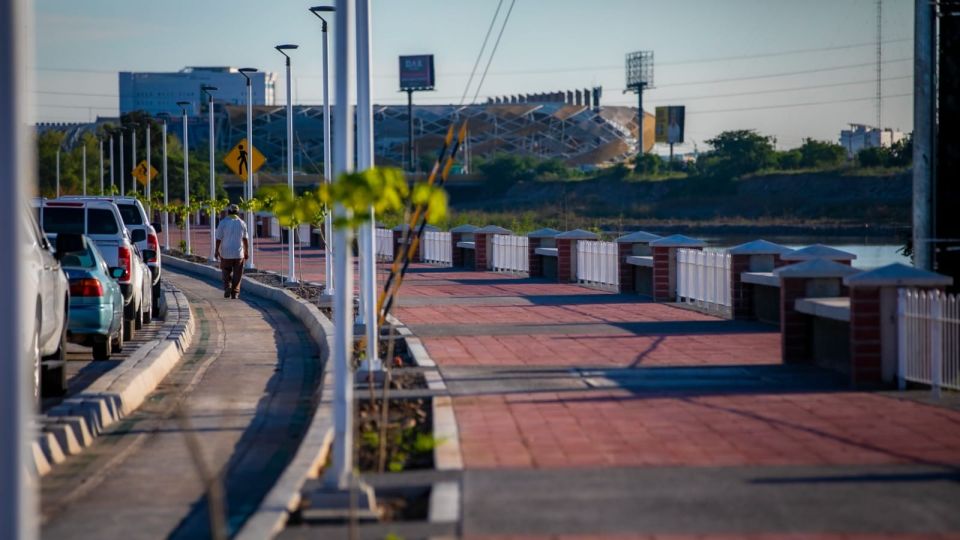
{"points": [[661, 274], [866, 364], [536, 261], [565, 265], [794, 326], [481, 241], [456, 253], [627, 285], [741, 294]]}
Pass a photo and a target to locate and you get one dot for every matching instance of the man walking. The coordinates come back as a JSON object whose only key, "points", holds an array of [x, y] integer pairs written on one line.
{"points": [[232, 250]]}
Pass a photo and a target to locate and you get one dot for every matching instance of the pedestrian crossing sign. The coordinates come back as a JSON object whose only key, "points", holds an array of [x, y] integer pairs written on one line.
{"points": [[140, 172], [242, 156]]}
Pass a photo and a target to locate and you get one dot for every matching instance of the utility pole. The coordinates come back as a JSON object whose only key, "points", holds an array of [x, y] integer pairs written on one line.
{"points": [[58, 173], [924, 151], [413, 167], [101, 166], [84, 173], [639, 78], [880, 69]]}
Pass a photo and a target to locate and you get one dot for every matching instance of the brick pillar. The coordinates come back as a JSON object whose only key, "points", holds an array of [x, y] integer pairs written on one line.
{"points": [[481, 240], [627, 284], [536, 262], [456, 253], [795, 332], [566, 268], [661, 274], [741, 294], [866, 364], [397, 243]]}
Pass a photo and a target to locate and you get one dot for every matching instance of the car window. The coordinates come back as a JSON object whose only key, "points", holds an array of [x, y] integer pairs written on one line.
{"points": [[63, 220], [79, 259], [101, 221], [130, 214]]}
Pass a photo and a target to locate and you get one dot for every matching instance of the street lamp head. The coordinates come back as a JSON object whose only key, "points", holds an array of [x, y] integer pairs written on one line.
{"points": [[317, 10], [286, 47], [244, 71], [183, 106]]}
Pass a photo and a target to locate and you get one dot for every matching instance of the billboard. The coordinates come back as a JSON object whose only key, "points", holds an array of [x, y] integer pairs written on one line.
{"points": [[669, 125], [416, 72]]}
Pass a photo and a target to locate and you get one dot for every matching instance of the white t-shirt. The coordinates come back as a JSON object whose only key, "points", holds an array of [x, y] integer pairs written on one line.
{"points": [[231, 231]]}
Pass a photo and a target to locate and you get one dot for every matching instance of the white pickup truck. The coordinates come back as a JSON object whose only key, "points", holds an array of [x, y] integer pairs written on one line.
{"points": [[101, 221]]}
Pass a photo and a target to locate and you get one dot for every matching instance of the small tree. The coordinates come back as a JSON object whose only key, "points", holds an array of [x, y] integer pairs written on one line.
{"points": [[821, 154], [739, 152]]}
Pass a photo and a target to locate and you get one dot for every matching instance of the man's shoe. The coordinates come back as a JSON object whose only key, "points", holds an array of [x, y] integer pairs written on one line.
{"points": [[226, 294], [234, 295]]}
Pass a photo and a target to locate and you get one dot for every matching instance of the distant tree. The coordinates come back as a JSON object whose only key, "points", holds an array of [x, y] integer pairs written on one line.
{"points": [[872, 157], [649, 164], [504, 170], [821, 153], [901, 153], [738, 152], [552, 169], [789, 159]]}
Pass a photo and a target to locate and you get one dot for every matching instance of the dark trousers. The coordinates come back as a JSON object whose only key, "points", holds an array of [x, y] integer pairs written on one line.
{"points": [[232, 270]]}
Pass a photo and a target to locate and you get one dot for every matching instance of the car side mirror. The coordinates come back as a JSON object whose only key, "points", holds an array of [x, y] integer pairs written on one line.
{"points": [[157, 227], [138, 235], [116, 272]]}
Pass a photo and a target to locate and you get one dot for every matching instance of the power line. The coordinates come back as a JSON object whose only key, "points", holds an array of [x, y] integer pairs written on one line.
{"points": [[493, 52], [483, 47], [794, 105], [781, 74], [778, 90]]}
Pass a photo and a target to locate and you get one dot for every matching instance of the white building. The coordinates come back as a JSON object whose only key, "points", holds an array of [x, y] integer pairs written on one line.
{"points": [[160, 92], [861, 136]]}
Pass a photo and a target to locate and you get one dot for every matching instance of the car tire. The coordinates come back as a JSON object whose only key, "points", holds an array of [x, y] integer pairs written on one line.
{"points": [[53, 370], [156, 299], [138, 316], [102, 348], [148, 312], [128, 327], [116, 344]]}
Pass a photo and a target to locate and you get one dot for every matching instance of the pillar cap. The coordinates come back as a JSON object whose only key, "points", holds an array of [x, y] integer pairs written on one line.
{"points": [[638, 237], [546, 232], [467, 228], [492, 229], [578, 234], [816, 268], [819, 251], [898, 275], [759, 247], [405, 227], [678, 240]]}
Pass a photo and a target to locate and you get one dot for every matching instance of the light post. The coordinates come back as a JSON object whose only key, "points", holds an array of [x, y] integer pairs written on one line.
{"points": [[368, 260], [327, 177], [149, 170], [291, 275], [121, 160], [101, 166], [166, 191], [58, 172], [133, 157], [112, 165], [186, 171], [249, 191], [213, 219], [83, 175]]}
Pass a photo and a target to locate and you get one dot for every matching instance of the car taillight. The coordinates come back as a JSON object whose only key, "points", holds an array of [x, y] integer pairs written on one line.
{"points": [[86, 287], [125, 258], [153, 244]]}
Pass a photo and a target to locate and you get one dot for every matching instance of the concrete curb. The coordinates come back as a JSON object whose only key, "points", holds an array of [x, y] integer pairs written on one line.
{"points": [[71, 426], [284, 497]]}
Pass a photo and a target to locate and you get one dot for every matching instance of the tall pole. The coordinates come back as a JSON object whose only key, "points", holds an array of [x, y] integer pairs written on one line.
{"points": [[122, 168], [368, 257], [213, 195], [58, 173], [291, 271], [101, 166], [640, 124], [112, 164], [84, 173], [18, 502], [166, 190], [341, 473], [186, 178], [924, 150], [133, 158], [250, 230], [413, 168], [327, 171], [149, 170]]}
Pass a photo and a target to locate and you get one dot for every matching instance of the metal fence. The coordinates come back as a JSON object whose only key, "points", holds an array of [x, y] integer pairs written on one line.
{"points": [[597, 264], [928, 338], [509, 253], [436, 248], [703, 279], [384, 240]]}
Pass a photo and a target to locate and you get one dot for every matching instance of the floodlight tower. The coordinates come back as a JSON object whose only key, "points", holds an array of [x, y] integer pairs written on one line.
{"points": [[639, 78]]}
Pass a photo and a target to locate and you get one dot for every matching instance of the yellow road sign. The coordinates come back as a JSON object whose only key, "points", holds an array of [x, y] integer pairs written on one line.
{"points": [[243, 156], [140, 172]]}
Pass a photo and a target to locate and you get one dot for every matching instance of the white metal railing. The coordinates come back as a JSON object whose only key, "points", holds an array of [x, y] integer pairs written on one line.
{"points": [[436, 248], [509, 253], [928, 338], [597, 263], [703, 279], [384, 240]]}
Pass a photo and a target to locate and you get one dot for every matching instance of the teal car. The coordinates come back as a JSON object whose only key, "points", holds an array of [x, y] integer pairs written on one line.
{"points": [[96, 301]]}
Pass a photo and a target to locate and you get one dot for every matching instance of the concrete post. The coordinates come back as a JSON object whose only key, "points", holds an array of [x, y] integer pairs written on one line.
{"points": [[535, 240], [635, 244], [567, 253], [665, 264], [756, 256], [873, 319]]}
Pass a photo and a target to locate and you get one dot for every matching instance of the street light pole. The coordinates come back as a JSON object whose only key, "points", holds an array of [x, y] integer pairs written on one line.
{"points": [[291, 275], [249, 191], [166, 190], [327, 150], [112, 165], [84, 173], [101, 166], [186, 171], [133, 157], [121, 162], [58, 172], [149, 170], [213, 218], [368, 258]]}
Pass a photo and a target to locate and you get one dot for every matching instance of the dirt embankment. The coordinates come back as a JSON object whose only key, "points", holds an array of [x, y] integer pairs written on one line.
{"points": [[797, 199]]}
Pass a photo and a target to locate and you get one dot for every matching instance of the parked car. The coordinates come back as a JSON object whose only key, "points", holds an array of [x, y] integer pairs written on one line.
{"points": [[101, 221], [45, 333], [96, 302], [142, 233]]}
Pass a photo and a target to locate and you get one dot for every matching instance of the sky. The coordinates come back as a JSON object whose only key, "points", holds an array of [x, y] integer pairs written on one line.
{"points": [[790, 69]]}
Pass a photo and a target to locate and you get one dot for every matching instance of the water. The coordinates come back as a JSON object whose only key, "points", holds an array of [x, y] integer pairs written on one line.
{"points": [[870, 252]]}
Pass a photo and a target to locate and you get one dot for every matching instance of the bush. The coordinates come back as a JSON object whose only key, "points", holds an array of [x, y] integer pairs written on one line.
{"points": [[872, 157], [790, 159], [736, 153], [504, 170], [821, 154], [649, 164]]}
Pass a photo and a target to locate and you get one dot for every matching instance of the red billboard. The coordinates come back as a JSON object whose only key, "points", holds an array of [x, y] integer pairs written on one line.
{"points": [[416, 72]]}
